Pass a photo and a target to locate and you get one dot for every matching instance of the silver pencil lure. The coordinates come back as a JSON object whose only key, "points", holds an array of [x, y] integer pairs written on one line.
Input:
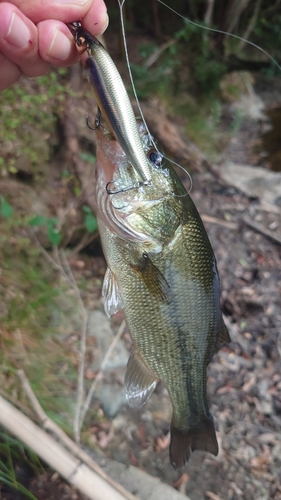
{"points": [[112, 99]]}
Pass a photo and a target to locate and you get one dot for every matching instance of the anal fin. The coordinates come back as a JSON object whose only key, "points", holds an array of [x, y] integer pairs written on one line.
{"points": [[110, 291], [140, 382]]}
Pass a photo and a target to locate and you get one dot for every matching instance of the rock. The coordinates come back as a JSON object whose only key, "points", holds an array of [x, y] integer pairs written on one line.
{"points": [[251, 106], [141, 484], [112, 397], [109, 392], [255, 182], [99, 327], [237, 88]]}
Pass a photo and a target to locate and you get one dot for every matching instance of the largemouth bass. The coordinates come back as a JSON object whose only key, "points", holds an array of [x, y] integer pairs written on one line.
{"points": [[162, 272]]}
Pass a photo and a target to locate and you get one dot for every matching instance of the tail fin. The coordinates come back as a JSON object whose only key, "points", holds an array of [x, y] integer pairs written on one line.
{"points": [[202, 436]]}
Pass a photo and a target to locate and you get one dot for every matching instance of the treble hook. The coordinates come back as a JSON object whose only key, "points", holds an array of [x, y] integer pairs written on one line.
{"points": [[123, 190], [97, 121]]}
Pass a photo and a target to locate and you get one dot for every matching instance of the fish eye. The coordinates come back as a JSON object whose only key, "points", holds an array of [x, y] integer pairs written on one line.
{"points": [[155, 157]]}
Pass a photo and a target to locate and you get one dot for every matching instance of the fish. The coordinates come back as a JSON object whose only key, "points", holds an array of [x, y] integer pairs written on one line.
{"points": [[162, 273]]}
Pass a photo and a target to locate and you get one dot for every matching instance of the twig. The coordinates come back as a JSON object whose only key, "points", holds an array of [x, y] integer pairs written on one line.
{"points": [[246, 35], [47, 256], [82, 352], [220, 222], [157, 53], [60, 263], [263, 230], [73, 204], [100, 372], [79, 474], [64, 439]]}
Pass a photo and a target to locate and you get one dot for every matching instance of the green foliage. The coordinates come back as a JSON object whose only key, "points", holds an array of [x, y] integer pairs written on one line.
{"points": [[54, 236], [267, 33], [6, 210], [90, 220], [13, 452], [205, 66], [192, 60], [158, 77], [88, 157]]}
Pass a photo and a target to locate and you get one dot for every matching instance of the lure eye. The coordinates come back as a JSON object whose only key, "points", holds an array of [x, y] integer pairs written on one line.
{"points": [[81, 41], [155, 157]]}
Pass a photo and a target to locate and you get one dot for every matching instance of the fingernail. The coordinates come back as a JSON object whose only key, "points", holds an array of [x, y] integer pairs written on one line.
{"points": [[104, 23], [76, 2], [60, 47], [18, 33]]}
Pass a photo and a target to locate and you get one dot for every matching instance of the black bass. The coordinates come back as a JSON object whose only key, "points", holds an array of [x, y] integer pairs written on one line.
{"points": [[162, 272]]}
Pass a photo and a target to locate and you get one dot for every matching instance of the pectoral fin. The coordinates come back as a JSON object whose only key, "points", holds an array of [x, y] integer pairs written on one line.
{"points": [[110, 291], [139, 381], [153, 278]]}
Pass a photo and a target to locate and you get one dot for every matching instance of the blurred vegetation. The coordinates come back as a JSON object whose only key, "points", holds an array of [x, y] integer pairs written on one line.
{"points": [[29, 112]]}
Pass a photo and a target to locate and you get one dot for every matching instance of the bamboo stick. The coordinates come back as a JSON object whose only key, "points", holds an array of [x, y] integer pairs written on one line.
{"points": [[75, 450], [70, 468]]}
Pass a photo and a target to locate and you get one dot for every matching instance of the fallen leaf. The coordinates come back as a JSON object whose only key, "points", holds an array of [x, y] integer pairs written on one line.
{"points": [[79, 264], [225, 389], [104, 438], [212, 496], [133, 459], [262, 460], [162, 443], [249, 384], [141, 432], [181, 483], [90, 374]]}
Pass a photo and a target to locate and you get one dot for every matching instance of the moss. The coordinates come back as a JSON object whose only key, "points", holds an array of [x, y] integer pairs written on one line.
{"points": [[29, 111]]}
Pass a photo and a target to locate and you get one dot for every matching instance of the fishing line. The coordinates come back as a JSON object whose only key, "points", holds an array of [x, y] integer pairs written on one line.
{"points": [[121, 3], [222, 32], [185, 171]]}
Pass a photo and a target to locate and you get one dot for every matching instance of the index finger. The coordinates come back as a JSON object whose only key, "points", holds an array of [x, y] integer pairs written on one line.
{"points": [[93, 12]]}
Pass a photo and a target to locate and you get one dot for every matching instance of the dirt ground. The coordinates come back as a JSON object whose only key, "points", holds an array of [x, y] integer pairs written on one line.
{"points": [[244, 378]]}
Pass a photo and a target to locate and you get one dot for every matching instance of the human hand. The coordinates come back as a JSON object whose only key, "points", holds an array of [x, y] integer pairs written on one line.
{"points": [[33, 34]]}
